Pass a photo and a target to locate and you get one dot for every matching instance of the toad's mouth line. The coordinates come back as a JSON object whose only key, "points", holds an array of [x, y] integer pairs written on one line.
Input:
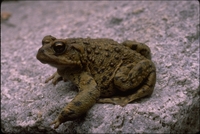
{"points": [[57, 62]]}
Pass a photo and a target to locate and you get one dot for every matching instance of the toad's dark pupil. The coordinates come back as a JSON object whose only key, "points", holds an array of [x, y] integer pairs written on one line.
{"points": [[59, 47]]}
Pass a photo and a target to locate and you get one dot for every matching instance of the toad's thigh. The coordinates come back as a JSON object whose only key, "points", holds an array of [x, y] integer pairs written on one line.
{"points": [[132, 75]]}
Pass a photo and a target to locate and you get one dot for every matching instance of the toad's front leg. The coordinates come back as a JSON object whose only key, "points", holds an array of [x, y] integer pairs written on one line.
{"points": [[55, 78], [86, 98]]}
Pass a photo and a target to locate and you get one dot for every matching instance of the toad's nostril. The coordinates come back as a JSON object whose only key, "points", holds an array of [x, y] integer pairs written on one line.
{"points": [[41, 50]]}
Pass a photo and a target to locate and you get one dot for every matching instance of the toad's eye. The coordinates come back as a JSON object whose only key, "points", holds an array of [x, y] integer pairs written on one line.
{"points": [[59, 47]]}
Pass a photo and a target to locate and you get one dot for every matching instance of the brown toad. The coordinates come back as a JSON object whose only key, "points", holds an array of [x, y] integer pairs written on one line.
{"points": [[104, 71]]}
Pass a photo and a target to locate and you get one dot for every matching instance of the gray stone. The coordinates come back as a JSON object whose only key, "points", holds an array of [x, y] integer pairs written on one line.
{"points": [[170, 29]]}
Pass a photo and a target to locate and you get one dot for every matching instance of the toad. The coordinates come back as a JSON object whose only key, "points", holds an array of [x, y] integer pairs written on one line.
{"points": [[103, 70]]}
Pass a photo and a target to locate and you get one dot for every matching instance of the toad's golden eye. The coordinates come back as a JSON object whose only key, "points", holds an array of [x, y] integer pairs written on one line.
{"points": [[59, 47]]}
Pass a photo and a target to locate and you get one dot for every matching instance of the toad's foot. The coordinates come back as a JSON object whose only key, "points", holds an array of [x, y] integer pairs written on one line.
{"points": [[57, 123], [65, 115], [55, 78], [115, 100]]}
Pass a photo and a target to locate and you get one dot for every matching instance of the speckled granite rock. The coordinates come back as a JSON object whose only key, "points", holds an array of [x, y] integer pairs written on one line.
{"points": [[171, 29]]}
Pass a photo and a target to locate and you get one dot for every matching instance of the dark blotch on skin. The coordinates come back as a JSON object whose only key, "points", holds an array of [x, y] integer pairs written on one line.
{"points": [[90, 93], [101, 71], [102, 61], [89, 81], [140, 70], [122, 80], [71, 112], [110, 73], [116, 78], [130, 67], [104, 79], [134, 47], [77, 103], [143, 51], [96, 69]]}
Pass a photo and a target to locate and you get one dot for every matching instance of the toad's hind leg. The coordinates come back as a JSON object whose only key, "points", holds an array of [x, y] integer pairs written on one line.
{"points": [[138, 47], [145, 89]]}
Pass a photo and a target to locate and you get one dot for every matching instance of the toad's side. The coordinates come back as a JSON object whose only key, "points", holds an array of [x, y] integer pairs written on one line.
{"points": [[104, 71]]}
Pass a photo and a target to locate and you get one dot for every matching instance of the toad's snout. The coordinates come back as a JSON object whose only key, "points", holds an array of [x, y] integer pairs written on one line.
{"points": [[40, 55]]}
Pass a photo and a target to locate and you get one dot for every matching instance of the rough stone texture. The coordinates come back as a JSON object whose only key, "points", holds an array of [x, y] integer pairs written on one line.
{"points": [[171, 29]]}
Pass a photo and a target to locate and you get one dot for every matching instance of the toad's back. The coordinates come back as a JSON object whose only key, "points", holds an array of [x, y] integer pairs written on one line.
{"points": [[104, 57]]}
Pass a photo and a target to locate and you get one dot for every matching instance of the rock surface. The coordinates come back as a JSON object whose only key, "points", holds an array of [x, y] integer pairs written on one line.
{"points": [[170, 29]]}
